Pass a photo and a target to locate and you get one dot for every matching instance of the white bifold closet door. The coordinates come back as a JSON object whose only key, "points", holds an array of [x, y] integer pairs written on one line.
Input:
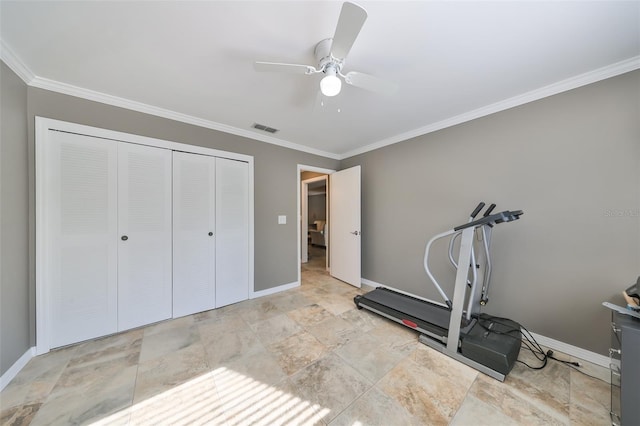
{"points": [[194, 248], [108, 229], [144, 235], [210, 232], [81, 228], [232, 231]]}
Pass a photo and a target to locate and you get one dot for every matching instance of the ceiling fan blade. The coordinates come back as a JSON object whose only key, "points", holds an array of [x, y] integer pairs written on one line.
{"points": [[350, 23], [280, 67], [369, 82]]}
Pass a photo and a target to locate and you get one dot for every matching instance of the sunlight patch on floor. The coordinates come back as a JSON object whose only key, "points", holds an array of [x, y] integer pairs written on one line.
{"points": [[222, 396]]}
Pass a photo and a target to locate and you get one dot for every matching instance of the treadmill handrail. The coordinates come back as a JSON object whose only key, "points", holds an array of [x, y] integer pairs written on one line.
{"points": [[505, 216], [426, 264], [486, 242]]}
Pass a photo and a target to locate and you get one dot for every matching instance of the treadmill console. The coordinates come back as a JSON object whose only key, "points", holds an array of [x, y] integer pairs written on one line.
{"points": [[505, 216]]}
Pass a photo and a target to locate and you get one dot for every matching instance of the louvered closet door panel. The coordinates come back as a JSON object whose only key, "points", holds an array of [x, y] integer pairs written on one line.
{"points": [[193, 220], [144, 228], [81, 228], [232, 231]]}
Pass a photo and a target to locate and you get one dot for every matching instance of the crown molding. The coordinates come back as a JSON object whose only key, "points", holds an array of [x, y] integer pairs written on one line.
{"points": [[13, 62], [594, 76], [11, 59], [16, 65], [92, 95]]}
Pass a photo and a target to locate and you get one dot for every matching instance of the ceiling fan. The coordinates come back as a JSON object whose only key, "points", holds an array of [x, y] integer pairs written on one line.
{"points": [[330, 55]]}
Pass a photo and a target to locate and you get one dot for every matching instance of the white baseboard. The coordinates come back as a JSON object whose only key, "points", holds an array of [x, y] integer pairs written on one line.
{"points": [[13, 371], [571, 350], [273, 290], [370, 283], [548, 342]]}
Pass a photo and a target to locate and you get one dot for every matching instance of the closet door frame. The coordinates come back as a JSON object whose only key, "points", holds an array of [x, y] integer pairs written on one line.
{"points": [[43, 128]]}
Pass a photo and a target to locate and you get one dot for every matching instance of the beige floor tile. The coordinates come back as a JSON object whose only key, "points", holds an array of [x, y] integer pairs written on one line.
{"points": [[547, 389], [77, 378], [259, 310], [119, 347], [297, 351], [162, 373], [304, 356], [85, 402], [315, 293], [269, 405], [590, 400], [369, 357], [298, 410], [330, 384], [395, 337], [362, 320], [337, 304], [598, 371], [429, 385], [19, 415], [210, 330], [310, 315], [15, 395], [193, 402], [375, 408], [160, 343], [478, 413], [168, 325], [276, 328], [261, 367], [231, 345], [36, 380], [514, 403], [225, 312], [288, 301], [334, 332]]}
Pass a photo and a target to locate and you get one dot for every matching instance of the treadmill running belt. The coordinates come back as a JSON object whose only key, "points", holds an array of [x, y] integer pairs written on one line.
{"points": [[425, 311]]}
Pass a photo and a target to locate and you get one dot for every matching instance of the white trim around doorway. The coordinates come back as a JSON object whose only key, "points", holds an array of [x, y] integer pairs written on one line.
{"points": [[304, 168]]}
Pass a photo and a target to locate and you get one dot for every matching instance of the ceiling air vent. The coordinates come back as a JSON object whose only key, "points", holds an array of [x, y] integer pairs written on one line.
{"points": [[264, 128]]}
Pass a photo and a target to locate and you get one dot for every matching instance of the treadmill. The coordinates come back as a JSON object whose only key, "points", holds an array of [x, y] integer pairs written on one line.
{"points": [[486, 344]]}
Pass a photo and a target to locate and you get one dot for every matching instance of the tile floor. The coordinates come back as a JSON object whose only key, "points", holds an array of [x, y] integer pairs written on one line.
{"points": [[304, 356]]}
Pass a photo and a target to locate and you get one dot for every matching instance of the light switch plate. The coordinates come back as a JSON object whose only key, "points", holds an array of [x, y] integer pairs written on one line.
{"points": [[282, 220]]}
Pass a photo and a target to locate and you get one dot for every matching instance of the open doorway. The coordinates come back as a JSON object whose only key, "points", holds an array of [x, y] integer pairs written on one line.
{"points": [[317, 221], [313, 211]]}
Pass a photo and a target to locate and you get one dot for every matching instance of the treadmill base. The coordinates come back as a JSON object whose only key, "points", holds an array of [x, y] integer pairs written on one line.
{"points": [[459, 357]]}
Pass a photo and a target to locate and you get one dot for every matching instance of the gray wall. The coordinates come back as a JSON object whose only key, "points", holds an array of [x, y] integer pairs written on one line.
{"points": [[570, 161], [14, 271], [317, 207], [316, 204]]}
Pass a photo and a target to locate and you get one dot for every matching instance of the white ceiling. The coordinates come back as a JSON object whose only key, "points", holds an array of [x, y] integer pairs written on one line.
{"points": [[193, 61]]}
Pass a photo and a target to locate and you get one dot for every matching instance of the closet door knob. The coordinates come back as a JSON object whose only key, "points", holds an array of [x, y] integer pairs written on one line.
{"points": [[124, 238], [211, 234]]}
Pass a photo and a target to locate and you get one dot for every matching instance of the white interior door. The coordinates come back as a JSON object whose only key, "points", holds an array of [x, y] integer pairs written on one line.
{"points": [[232, 231], [144, 228], [344, 214], [194, 257], [81, 228]]}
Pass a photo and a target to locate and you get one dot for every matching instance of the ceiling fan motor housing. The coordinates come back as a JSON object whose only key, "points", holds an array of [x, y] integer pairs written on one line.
{"points": [[322, 52]]}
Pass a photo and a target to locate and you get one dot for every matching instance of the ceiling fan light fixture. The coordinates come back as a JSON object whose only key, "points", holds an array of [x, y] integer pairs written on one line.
{"points": [[330, 84], [330, 55]]}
